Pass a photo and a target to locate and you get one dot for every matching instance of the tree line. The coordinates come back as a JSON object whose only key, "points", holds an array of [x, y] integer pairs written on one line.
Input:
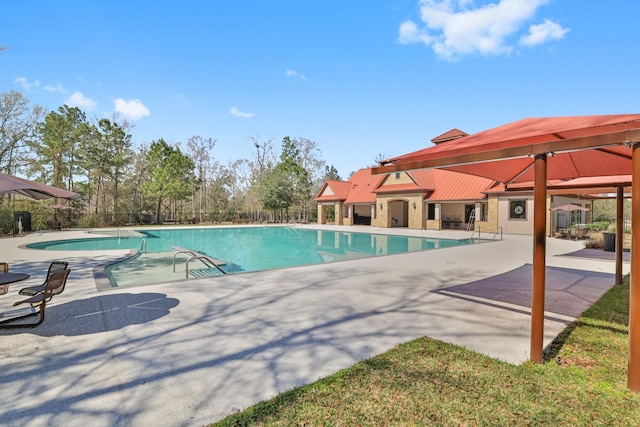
{"points": [[125, 183]]}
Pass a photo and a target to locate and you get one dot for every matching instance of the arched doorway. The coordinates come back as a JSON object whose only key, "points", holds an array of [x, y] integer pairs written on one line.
{"points": [[398, 213]]}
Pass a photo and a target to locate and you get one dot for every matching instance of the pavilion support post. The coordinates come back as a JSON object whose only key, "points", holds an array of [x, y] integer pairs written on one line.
{"points": [[539, 256], [619, 232], [633, 375]]}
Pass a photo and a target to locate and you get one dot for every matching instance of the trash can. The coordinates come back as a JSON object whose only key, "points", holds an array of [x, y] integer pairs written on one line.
{"points": [[609, 241]]}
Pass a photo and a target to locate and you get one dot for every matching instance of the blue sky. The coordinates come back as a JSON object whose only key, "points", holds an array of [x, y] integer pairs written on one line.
{"points": [[358, 77]]}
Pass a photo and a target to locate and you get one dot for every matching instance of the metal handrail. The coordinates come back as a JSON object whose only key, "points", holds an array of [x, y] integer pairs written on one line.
{"points": [[180, 251], [474, 232], [205, 260], [499, 231]]}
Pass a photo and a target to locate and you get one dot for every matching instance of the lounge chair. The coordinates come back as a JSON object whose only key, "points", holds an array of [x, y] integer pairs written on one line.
{"points": [[37, 302], [54, 267]]}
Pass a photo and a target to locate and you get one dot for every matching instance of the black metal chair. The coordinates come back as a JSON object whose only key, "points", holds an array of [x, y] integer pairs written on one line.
{"points": [[54, 267], [38, 303]]}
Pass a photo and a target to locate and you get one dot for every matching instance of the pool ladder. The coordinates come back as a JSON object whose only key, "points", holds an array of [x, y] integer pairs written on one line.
{"points": [[143, 247], [206, 260], [498, 232]]}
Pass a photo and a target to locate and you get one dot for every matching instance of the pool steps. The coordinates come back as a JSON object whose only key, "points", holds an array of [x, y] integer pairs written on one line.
{"points": [[212, 263]]}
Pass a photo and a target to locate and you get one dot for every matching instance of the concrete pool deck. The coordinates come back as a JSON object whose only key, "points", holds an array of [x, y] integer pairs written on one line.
{"points": [[187, 353]]}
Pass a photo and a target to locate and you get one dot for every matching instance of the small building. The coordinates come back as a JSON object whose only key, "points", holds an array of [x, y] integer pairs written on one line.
{"points": [[350, 202], [440, 199], [432, 199]]}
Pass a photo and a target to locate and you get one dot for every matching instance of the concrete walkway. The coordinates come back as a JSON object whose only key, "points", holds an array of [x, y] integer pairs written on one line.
{"points": [[188, 353]]}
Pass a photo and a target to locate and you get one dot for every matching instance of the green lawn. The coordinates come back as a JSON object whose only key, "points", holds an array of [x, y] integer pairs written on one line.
{"points": [[427, 382]]}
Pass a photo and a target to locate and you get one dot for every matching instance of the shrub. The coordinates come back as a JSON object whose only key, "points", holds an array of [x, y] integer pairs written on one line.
{"points": [[598, 226], [595, 241]]}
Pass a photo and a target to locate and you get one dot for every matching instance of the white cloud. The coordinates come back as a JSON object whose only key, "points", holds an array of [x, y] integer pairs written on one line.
{"points": [[77, 99], [457, 28], [294, 74], [237, 113], [409, 33], [22, 81], [132, 109], [55, 89], [542, 33]]}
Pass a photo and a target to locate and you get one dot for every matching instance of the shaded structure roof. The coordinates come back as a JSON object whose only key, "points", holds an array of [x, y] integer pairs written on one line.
{"points": [[542, 149], [511, 149], [593, 185], [33, 189]]}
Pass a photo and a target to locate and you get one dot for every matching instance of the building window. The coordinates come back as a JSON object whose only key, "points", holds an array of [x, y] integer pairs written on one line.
{"points": [[517, 209], [470, 210], [431, 211], [576, 216], [397, 175]]}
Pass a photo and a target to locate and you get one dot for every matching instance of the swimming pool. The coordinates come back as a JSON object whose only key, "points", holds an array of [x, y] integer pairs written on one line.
{"points": [[244, 248]]}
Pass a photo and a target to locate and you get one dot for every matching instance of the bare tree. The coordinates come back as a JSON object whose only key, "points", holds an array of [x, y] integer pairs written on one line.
{"points": [[238, 185], [198, 149], [380, 157], [18, 123], [265, 157]]}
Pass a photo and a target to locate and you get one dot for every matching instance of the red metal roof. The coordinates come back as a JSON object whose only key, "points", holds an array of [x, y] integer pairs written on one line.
{"points": [[358, 189], [421, 181], [596, 181], [449, 135], [361, 187], [424, 178], [591, 183], [440, 185], [399, 188], [333, 191], [458, 186], [511, 148]]}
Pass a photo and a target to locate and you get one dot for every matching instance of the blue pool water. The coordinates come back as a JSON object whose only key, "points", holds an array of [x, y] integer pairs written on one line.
{"points": [[262, 248]]}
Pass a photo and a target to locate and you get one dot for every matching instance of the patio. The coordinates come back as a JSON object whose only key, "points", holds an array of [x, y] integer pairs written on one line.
{"points": [[191, 352]]}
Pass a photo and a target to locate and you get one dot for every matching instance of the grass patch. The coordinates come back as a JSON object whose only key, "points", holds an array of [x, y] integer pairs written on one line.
{"points": [[427, 382]]}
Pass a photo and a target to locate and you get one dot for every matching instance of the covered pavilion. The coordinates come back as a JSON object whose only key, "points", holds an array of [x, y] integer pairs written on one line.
{"points": [[10, 184], [539, 150]]}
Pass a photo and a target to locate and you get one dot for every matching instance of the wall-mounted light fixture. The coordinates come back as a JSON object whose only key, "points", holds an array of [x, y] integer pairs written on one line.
{"points": [[381, 205], [414, 205]]}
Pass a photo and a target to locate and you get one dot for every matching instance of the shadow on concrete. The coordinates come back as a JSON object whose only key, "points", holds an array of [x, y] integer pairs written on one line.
{"points": [[598, 254], [101, 313], [568, 292]]}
